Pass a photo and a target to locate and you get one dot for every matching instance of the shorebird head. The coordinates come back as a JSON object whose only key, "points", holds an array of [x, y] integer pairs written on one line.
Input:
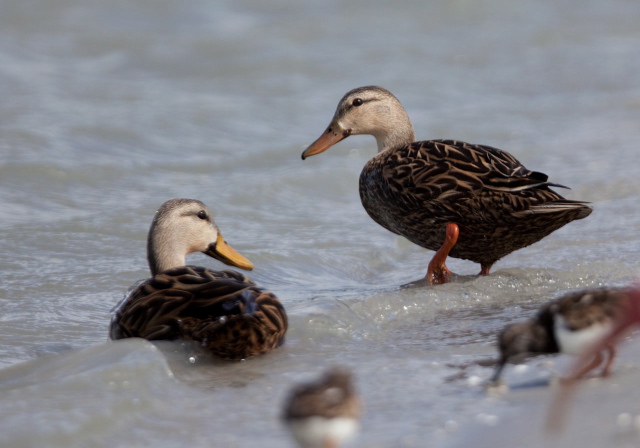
{"points": [[518, 341]]}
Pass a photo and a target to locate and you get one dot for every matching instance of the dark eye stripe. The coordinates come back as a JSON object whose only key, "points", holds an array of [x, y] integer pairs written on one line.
{"points": [[357, 102], [350, 105]]}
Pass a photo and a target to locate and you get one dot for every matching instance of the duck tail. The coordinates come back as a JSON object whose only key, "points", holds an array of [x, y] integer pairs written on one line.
{"points": [[581, 208]]}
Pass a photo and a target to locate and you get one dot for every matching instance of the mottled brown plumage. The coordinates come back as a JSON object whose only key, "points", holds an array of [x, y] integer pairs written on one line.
{"points": [[498, 205], [416, 189], [569, 324], [224, 311], [323, 413]]}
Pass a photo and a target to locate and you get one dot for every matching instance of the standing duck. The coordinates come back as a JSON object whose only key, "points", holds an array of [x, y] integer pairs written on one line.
{"points": [[224, 311], [468, 201], [571, 324]]}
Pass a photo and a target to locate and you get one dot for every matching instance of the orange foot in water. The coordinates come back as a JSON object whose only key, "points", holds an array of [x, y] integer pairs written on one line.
{"points": [[438, 273]]}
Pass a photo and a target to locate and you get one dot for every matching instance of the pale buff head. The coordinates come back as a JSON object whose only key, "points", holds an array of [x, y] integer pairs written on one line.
{"points": [[368, 110], [184, 226]]}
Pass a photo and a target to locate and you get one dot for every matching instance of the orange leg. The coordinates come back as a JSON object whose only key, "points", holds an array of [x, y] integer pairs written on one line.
{"points": [[437, 272]]}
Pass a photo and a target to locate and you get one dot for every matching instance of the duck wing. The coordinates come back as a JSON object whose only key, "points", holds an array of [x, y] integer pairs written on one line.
{"points": [[449, 170], [155, 308], [224, 311], [473, 167]]}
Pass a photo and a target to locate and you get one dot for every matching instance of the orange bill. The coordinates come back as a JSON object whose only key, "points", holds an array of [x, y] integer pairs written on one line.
{"points": [[324, 142], [225, 253]]}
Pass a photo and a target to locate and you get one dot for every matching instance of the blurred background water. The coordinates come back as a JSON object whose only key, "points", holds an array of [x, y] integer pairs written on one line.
{"points": [[109, 108]]}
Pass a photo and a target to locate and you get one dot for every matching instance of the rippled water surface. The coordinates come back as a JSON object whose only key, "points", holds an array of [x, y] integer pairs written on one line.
{"points": [[110, 108]]}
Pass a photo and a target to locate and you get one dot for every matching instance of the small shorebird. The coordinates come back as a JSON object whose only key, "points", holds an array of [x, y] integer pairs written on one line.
{"points": [[626, 322], [462, 200], [224, 311], [323, 414], [571, 324]]}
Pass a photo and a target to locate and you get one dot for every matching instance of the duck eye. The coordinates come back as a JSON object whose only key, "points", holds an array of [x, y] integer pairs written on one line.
{"points": [[202, 214], [357, 102]]}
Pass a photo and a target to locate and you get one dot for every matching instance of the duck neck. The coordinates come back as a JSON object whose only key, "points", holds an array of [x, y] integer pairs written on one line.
{"points": [[394, 129], [397, 138], [163, 253]]}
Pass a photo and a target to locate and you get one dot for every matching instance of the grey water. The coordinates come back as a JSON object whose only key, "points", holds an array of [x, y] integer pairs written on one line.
{"points": [[109, 108]]}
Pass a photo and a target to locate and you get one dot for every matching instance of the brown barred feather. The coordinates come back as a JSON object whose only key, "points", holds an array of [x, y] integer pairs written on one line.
{"points": [[498, 204], [224, 311]]}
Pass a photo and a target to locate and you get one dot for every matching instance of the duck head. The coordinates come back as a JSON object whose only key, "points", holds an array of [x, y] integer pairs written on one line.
{"points": [[368, 110], [184, 226]]}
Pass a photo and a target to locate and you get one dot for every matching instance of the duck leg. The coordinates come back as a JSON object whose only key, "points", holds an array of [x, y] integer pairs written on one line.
{"points": [[484, 269], [437, 272]]}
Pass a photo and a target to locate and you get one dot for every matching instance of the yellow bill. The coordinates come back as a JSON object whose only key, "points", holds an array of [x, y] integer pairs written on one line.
{"points": [[225, 253]]}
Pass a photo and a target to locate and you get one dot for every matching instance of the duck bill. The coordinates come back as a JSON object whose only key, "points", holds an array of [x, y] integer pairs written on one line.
{"points": [[220, 250], [325, 141]]}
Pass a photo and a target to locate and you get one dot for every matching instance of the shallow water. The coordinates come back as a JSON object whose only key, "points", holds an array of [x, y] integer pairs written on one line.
{"points": [[111, 108]]}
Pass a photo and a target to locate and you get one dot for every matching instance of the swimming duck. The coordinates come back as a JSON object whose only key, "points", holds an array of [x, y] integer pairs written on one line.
{"points": [[224, 311], [324, 413], [462, 200], [571, 324]]}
